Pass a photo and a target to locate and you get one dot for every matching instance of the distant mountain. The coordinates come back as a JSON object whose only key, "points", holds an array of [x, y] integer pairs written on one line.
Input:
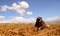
{"points": [[53, 20]]}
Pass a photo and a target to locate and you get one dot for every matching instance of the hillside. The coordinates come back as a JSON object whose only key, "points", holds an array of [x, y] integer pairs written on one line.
{"points": [[10, 29]]}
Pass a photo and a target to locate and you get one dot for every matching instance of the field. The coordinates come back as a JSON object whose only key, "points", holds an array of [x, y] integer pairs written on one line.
{"points": [[11, 29]]}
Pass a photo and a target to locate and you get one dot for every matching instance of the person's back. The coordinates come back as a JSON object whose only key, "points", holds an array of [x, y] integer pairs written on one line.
{"points": [[40, 24]]}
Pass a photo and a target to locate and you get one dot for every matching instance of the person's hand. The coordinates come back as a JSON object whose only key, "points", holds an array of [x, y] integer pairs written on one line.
{"points": [[39, 28]]}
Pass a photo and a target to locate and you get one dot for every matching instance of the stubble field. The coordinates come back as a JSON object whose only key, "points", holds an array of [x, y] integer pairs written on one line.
{"points": [[11, 29]]}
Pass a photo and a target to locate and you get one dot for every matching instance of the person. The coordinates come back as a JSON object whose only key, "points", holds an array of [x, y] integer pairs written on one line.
{"points": [[40, 24]]}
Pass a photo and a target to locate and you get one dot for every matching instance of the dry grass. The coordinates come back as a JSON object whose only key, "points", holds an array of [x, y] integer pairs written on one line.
{"points": [[11, 29]]}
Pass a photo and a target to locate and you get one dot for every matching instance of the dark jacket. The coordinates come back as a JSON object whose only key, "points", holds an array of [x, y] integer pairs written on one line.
{"points": [[40, 24]]}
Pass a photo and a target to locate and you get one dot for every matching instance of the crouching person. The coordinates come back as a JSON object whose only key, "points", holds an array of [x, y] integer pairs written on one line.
{"points": [[40, 24]]}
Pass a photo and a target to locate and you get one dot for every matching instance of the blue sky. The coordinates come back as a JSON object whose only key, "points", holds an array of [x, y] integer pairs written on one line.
{"points": [[43, 8]]}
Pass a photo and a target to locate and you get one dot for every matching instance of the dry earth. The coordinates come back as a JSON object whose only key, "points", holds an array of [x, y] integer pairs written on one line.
{"points": [[11, 29]]}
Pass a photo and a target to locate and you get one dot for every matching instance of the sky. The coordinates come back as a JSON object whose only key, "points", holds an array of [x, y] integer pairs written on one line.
{"points": [[29, 8]]}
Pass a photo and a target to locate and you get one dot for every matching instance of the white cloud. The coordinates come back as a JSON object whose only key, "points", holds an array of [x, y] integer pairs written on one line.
{"points": [[4, 21], [53, 19], [19, 8], [23, 20], [4, 8], [24, 4], [19, 20], [16, 18], [29, 13], [1, 17]]}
